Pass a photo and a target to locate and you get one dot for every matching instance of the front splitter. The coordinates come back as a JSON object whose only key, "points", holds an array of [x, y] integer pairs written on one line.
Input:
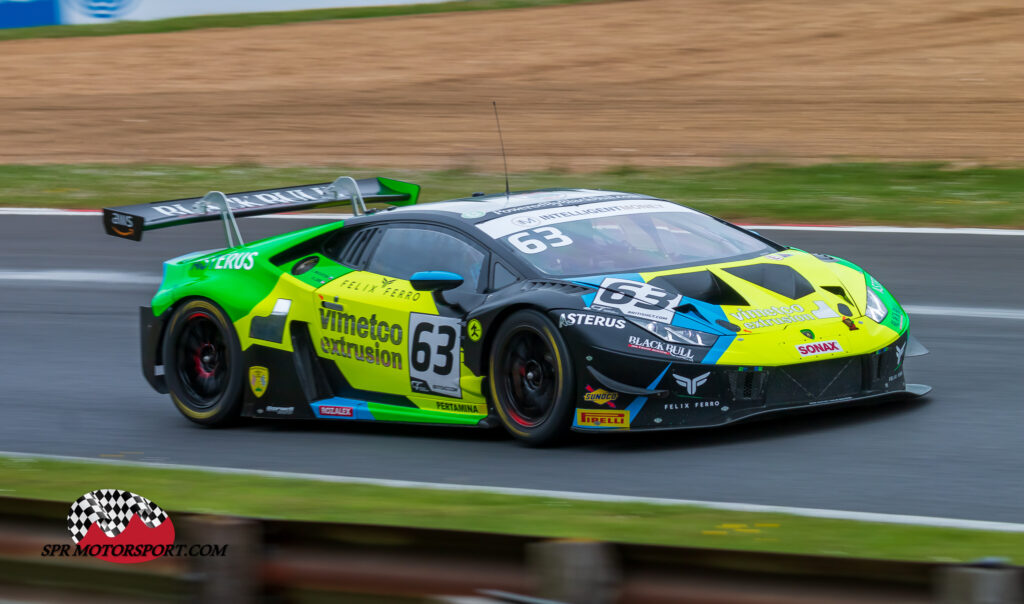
{"points": [[911, 391]]}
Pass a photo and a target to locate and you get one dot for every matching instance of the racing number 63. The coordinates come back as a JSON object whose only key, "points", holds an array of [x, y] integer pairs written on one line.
{"points": [[422, 353], [526, 245], [434, 354]]}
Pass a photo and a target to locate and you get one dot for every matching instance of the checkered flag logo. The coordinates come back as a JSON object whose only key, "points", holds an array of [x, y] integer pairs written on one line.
{"points": [[113, 509]]}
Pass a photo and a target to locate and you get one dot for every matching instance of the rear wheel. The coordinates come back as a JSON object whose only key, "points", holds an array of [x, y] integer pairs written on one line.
{"points": [[203, 363], [531, 378]]}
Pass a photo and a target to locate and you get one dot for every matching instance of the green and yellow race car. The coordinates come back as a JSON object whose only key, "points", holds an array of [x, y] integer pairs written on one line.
{"points": [[542, 311]]}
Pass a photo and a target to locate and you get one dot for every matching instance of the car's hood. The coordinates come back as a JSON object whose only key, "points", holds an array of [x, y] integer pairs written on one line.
{"points": [[761, 295], [795, 297], [773, 293]]}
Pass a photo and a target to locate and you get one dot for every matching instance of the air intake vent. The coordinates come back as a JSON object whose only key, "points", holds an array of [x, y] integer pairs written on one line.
{"points": [[747, 385], [778, 278], [838, 291], [562, 286], [354, 252], [818, 381], [700, 285]]}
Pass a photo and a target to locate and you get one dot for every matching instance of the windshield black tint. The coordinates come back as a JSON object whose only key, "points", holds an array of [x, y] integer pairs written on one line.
{"points": [[627, 237]]}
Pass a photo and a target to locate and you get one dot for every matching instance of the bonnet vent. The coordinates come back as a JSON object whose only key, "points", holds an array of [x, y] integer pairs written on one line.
{"points": [[700, 285], [778, 278]]}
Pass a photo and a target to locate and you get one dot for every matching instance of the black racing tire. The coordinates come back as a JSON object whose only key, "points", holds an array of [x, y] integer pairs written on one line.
{"points": [[531, 379], [203, 364]]}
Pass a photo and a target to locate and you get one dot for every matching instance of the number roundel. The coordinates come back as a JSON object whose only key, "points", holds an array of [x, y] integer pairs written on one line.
{"points": [[636, 299], [434, 350]]}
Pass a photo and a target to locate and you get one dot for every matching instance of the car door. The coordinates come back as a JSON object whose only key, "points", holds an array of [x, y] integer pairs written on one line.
{"points": [[388, 338]]}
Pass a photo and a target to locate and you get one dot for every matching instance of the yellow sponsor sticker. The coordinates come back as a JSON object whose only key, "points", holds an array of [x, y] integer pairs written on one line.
{"points": [[602, 418], [600, 396], [259, 379]]}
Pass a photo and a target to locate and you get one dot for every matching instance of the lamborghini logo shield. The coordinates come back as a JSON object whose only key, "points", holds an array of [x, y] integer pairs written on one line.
{"points": [[807, 333], [259, 378]]}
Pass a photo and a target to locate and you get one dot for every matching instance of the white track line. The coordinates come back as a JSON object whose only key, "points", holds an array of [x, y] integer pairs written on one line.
{"points": [[46, 212], [80, 276], [754, 227], [982, 525], [954, 312], [885, 229], [112, 277]]}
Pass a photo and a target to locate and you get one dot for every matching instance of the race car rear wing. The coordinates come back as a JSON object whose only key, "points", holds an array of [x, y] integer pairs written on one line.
{"points": [[128, 222]]}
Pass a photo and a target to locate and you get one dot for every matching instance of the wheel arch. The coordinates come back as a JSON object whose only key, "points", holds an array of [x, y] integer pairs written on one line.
{"points": [[153, 331], [494, 324], [225, 406], [164, 319], [552, 428]]}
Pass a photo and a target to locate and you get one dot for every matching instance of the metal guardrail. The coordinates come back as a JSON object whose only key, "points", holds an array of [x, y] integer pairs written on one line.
{"points": [[292, 561]]}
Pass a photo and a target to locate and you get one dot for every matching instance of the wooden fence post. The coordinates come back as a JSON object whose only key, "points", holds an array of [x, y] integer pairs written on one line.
{"points": [[575, 572], [984, 582], [235, 576]]}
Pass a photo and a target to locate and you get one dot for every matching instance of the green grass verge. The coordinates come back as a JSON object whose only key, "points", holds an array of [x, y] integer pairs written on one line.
{"points": [[194, 491], [272, 18], [906, 194]]}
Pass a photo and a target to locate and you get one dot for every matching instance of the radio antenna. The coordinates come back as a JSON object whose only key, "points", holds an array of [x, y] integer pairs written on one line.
{"points": [[501, 140]]}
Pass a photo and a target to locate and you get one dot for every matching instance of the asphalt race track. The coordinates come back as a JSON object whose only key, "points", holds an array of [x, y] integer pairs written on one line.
{"points": [[70, 385]]}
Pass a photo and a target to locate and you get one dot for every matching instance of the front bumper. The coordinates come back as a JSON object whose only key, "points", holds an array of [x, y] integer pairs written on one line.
{"points": [[685, 395]]}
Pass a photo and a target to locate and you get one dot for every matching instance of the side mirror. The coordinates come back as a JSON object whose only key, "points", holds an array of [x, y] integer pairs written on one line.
{"points": [[435, 281]]}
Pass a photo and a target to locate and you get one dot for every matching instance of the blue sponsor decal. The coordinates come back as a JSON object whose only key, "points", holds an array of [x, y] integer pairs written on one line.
{"points": [[709, 314], [704, 319], [28, 13], [639, 402], [716, 352]]}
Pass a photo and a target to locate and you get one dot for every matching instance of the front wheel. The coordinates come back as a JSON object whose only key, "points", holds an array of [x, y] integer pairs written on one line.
{"points": [[531, 378], [203, 363]]}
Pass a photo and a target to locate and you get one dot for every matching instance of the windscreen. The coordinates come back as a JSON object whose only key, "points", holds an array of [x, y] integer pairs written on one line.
{"points": [[620, 237]]}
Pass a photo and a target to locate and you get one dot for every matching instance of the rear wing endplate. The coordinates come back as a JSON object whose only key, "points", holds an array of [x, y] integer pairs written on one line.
{"points": [[128, 222]]}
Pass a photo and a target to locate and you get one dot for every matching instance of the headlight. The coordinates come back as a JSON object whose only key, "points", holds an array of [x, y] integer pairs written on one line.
{"points": [[876, 311], [678, 335]]}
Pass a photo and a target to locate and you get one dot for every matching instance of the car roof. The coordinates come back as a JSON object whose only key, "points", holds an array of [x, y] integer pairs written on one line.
{"points": [[471, 210]]}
